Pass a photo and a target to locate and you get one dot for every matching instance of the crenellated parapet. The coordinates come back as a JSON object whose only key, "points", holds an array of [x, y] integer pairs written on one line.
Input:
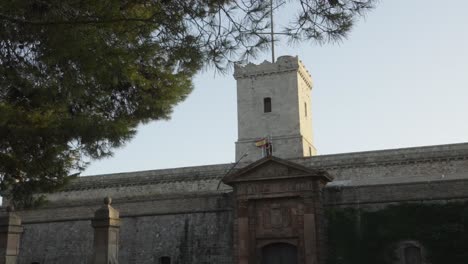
{"points": [[283, 64]]}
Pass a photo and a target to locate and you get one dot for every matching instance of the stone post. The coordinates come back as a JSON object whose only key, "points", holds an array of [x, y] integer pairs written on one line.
{"points": [[106, 225], [243, 232], [10, 234]]}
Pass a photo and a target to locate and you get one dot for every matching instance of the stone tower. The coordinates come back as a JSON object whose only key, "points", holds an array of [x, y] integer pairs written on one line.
{"points": [[273, 101]]}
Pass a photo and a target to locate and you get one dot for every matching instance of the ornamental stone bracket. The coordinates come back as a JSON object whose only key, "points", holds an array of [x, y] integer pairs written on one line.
{"points": [[278, 212], [10, 234]]}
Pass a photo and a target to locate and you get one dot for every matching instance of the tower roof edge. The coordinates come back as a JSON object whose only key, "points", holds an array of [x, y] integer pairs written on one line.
{"points": [[283, 64]]}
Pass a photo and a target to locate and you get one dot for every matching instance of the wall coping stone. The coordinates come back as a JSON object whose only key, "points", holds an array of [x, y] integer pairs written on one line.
{"points": [[133, 199], [413, 155], [384, 157], [359, 194], [184, 174]]}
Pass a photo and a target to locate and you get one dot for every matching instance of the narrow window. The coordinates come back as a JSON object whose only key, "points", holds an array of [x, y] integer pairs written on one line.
{"points": [[164, 260], [267, 105], [305, 108], [310, 151]]}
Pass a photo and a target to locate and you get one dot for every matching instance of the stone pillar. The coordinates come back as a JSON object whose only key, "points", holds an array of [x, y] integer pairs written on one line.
{"points": [[243, 232], [10, 234], [106, 225], [310, 239]]}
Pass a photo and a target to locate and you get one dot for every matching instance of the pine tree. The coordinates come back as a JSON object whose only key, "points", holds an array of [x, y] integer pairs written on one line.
{"points": [[78, 76]]}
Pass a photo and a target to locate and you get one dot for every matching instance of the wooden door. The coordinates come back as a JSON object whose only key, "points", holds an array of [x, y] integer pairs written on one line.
{"points": [[412, 255], [279, 253]]}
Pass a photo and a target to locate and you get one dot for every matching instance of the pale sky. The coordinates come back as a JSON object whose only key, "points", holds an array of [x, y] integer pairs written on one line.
{"points": [[399, 80]]}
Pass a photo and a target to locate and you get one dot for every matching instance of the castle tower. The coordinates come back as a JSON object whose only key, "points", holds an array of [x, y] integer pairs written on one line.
{"points": [[273, 101]]}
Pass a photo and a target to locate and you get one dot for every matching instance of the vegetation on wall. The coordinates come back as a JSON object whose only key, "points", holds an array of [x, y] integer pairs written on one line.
{"points": [[369, 237]]}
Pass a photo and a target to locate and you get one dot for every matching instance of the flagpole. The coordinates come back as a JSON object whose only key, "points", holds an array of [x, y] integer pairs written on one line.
{"points": [[272, 33], [230, 169]]}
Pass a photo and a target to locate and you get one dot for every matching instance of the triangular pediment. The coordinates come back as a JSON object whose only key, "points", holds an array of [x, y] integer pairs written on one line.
{"points": [[271, 168]]}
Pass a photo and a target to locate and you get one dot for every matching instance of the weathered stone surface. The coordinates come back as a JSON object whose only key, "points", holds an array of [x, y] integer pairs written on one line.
{"points": [[289, 124], [174, 204], [181, 213], [186, 229], [155, 183], [68, 242], [186, 238], [375, 196]]}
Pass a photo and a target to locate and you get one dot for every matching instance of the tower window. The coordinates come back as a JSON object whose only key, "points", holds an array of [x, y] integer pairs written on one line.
{"points": [[305, 108], [164, 260], [267, 105]]}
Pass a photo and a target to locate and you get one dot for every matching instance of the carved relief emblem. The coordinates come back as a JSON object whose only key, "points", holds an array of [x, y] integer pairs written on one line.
{"points": [[277, 217]]}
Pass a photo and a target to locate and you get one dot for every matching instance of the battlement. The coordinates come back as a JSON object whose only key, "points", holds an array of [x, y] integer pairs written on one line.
{"points": [[283, 64]]}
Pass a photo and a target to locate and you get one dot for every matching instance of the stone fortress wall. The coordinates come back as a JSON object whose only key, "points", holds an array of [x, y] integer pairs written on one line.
{"points": [[178, 213], [181, 213], [378, 178]]}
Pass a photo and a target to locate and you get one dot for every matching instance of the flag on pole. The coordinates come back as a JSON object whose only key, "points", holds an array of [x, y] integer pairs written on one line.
{"points": [[261, 142]]}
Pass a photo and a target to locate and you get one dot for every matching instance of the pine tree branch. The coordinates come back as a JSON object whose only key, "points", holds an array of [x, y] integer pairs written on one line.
{"points": [[71, 22]]}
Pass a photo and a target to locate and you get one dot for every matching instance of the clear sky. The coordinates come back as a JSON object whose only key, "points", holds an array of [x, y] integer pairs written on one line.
{"points": [[399, 80]]}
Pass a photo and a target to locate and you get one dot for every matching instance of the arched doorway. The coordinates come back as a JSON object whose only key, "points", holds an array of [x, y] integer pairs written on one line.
{"points": [[413, 255], [279, 253]]}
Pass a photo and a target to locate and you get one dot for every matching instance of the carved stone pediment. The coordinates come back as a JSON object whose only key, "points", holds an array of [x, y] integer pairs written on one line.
{"points": [[272, 168]]}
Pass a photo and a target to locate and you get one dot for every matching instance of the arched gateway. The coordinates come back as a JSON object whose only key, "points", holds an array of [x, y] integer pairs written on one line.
{"points": [[278, 213]]}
